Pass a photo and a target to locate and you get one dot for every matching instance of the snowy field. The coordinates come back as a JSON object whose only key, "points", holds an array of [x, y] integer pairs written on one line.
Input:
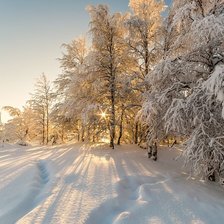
{"points": [[93, 184]]}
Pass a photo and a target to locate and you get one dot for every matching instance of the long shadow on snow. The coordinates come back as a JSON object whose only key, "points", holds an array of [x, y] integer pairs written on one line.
{"points": [[65, 196], [32, 197]]}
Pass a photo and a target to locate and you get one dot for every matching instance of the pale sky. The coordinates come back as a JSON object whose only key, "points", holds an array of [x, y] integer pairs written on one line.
{"points": [[31, 34]]}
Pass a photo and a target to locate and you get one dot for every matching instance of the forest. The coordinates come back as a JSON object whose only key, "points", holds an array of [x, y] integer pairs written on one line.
{"points": [[151, 76]]}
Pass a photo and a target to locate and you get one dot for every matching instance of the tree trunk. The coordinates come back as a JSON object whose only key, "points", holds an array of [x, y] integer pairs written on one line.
{"points": [[94, 130], [154, 152], [136, 133], [121, 126], [112, 120], [47, 125], [83, 134], [43, 129], [78, 136], [146, 59]]}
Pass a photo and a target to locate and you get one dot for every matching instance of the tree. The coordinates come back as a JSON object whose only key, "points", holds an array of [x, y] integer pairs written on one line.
{"points": [[20, 127], [145, 38], [186, 105], [109, 56], [76, 90], [145, 33], [41, 104], [72, 59], [202, 109], [15, 128]]}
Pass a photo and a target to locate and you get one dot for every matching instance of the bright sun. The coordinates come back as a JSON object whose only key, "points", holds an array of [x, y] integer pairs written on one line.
{"points": [[103, 114]]}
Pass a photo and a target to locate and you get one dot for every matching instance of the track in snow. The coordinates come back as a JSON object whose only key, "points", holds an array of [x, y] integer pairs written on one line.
{"points": [[28, 194]]}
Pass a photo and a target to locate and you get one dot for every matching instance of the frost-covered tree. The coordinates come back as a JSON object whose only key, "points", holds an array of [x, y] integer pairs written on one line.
{"points": [[145, 33], [72, 59], [201, 111], [20, 127], [70, 87], [180, 98], [145, 40], [15, 128], [200, 117], [40, 103], [79, 95], [110, 56]]}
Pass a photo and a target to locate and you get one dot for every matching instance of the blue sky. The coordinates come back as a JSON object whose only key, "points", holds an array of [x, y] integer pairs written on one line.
{"points": [[31, 34]]}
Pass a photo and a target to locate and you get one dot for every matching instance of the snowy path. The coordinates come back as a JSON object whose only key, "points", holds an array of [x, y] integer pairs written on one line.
{"points": [[94, 185]]}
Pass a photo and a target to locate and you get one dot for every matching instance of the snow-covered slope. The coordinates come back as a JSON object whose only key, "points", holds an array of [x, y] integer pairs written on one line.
{"points": [[93, 184]]}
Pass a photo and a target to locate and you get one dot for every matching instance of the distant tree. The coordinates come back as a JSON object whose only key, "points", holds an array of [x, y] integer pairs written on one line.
{"points": [[20, 126], [41, 102], [14, 129]]}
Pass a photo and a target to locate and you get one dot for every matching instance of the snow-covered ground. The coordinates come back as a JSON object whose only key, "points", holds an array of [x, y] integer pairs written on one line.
{"points": [[93, 184]]}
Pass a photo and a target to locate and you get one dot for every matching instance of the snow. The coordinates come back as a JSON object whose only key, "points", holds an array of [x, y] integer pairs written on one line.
{"points": [[92, 184], [215, 84]]}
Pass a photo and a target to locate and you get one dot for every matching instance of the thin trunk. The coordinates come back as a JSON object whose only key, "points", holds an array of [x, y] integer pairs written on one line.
{"points": [[79, 131], [112, 92], [83, 133], [94, 130], [211, 169], [26, 134], [142, 136], [43, 128], [78, 136], [146, 56], [146, 60], [121, 126], [112, 120], [47, 125], [136, 133]]}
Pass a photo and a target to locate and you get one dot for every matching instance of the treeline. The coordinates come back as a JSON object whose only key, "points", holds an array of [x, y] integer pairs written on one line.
{"points": [[146, 76]]}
